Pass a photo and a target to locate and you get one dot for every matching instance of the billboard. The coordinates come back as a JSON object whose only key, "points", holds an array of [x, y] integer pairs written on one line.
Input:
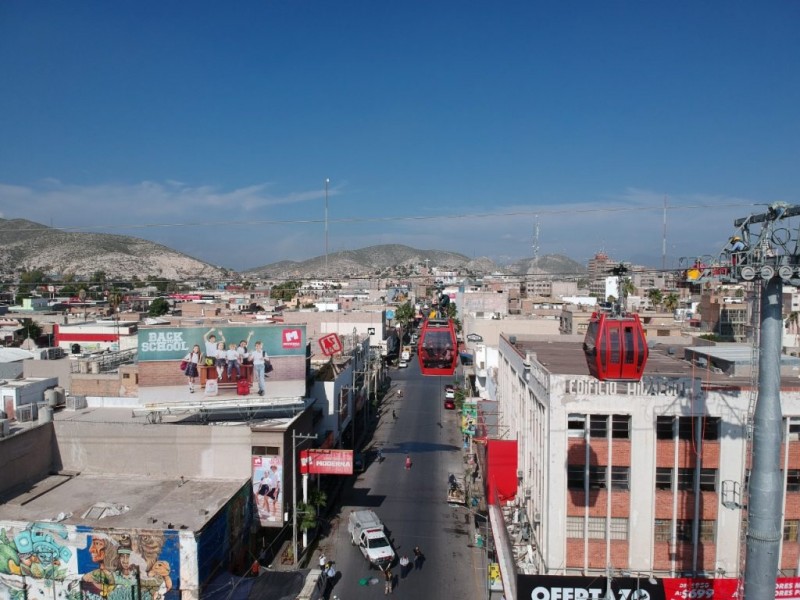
{"points": [[556, 587], [173, 343], [268, 489], [327, 462]]}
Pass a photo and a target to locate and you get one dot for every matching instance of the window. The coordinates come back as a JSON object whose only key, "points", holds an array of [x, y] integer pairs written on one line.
{"points": [[596, 528], [576, 426], [663, 478], [793, 480], [597, 478], [664, 427], [707, 530], [598, 426], [265, 451], [794, 428], [711, 428], [575, 477], [620, 478], [683, 530], [621, 427], [575, 527], [708, 479], [618, 529], [791, 528], [686, 428], [663, 530]]}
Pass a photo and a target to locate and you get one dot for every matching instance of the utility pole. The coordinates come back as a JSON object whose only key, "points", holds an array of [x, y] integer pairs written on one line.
{"points": [[327, 181], [302, 438]]}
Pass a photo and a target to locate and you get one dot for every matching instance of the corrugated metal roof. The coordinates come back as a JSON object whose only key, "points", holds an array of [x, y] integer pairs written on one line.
{"points": [[8, 355]]}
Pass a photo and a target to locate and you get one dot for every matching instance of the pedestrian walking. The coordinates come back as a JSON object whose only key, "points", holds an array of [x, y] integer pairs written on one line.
{"points": [[419, 557], [394, 415], [408, 462], [389, 579], [323, 561], [404, 562]]}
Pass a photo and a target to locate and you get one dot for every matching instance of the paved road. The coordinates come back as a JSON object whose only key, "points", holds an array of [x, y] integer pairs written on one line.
{"points": [[412, 504]]}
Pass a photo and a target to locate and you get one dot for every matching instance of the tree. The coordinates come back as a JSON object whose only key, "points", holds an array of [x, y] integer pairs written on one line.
{"points": [[452, 313], [32, 329], [655, 296], [404, 313], [671, 302], [627, 287], [158, 307]]}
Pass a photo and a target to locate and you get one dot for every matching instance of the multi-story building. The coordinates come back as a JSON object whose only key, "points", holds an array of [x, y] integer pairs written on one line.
{"points": [[639, 477]]}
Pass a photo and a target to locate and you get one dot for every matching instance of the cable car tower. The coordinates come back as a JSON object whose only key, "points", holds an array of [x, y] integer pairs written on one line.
{"points": [[615, 346], [764, 251]]}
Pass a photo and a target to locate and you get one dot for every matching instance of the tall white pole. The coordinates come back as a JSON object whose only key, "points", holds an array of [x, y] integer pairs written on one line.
{"points": [[294, 500], [327, 181]]}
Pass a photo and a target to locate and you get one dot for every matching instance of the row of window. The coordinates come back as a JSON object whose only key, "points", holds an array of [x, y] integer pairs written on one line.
{"points": [[667, 427], [597, 478], [594, 528]]}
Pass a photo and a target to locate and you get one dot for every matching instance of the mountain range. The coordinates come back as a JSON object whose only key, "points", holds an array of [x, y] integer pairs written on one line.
{"points": [[25, 245]]}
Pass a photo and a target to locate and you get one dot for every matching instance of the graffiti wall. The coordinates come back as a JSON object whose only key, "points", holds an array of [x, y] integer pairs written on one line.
{"points": [[50, 560], [268, 489]]}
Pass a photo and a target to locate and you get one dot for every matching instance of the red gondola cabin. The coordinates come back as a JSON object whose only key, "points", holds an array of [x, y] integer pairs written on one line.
{"points": [[615, 347], [437, 347]]}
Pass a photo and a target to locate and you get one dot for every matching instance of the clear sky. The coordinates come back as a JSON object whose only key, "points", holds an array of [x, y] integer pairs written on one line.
{"points": [[211, 127]]}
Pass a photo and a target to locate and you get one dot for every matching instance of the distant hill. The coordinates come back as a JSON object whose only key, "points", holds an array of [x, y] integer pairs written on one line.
{"points": [[364, 262], [33, 246], [548, 264], [382, 259]]}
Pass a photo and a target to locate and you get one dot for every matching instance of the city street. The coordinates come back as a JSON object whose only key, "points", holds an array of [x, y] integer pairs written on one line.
{"points": [[412, 503]]}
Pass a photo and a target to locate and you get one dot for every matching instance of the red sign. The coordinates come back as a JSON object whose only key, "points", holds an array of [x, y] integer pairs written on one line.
{"points": [[327, 462], [678, 588], [292, 338], [330, 344]]}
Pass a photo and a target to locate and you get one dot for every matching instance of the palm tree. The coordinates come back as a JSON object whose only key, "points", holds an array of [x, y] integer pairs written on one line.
{"points": [[655, 296], [671, 302]]}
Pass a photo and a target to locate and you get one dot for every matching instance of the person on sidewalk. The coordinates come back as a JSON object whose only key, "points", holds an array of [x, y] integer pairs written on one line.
{"points": [[323, 561], [408, 462], [419, 557]]}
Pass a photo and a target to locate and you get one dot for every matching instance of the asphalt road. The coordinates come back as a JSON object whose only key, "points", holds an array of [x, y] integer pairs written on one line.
{"points": [[412, 503]]}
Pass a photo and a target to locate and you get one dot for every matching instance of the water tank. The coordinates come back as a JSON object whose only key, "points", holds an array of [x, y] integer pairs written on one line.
{"points": [[4, 428], [45, 414], [51, 398], [95, 367]]}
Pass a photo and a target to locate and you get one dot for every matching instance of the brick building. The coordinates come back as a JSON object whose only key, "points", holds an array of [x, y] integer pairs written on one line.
{"points": [[632, 477]]}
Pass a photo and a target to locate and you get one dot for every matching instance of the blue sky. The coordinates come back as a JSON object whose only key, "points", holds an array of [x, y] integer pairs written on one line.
{"points": [[211, 127]]}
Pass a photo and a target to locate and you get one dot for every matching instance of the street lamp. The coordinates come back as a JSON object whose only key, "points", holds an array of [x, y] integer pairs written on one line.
{"points": [[327, 181], [302, 438]]}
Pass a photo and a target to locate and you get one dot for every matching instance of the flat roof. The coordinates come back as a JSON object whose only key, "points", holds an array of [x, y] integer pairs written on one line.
{"points": [[143, 503], [567, 358]]}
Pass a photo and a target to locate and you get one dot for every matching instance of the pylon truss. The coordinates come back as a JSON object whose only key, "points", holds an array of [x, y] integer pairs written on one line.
{"points": [[770, 247]]}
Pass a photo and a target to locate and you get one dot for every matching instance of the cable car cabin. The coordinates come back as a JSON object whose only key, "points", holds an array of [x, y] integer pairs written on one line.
{"points": [[436, 349], [615, 347]]}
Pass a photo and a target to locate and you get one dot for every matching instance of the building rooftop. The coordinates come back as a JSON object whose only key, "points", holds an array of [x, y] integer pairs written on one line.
{"points": [[727, 364], [119, 502]]}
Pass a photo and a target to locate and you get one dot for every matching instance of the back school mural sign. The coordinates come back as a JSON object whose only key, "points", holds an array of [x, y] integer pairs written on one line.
{"points": [[173, 343]]}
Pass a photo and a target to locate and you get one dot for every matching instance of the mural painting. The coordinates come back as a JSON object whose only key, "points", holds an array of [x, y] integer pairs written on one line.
{"points": [[47, 560], [268, 489]]}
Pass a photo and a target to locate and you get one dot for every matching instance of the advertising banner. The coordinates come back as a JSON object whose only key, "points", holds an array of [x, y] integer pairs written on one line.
{"points": [[173, 343], [556, 587], [327, 462], [268, 489]]}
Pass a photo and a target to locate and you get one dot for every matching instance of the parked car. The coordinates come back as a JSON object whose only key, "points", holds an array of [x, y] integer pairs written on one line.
{"points": [[449, 404], [474, 337], [402, 364], [449, 392]]}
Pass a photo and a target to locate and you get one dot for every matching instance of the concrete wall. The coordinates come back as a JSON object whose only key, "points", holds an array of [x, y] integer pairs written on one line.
{"points": [[135, 449], [26, 457], [59, 368], [490, 329]]}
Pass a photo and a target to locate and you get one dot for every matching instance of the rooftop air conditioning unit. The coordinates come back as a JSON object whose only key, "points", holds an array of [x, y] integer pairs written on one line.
{"points": [[26, 413], [76, 402]]}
